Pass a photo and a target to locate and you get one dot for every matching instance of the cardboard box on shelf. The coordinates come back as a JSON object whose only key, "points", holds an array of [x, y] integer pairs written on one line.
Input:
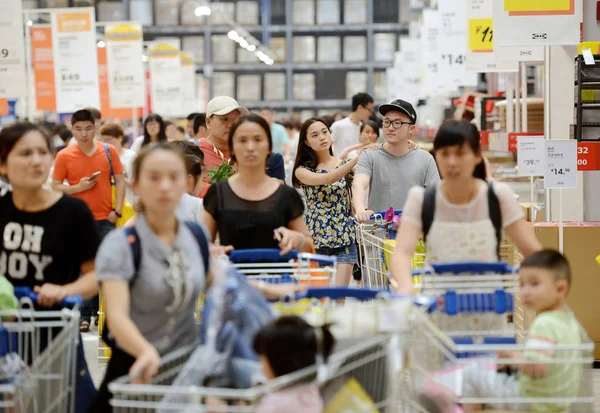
{"points": [[110, 11], [303, 12], [274, 86], [278, 48], [328, 12], [304, 49], [380, 85], [329, 49], [54, 4], [248, 87], [303, 86], [247, 12], [188, 17], [356, 82], [355, 49], [222, 13], [244, 56], [581, 247], [141, 11], [166, 13], [195, 46], [385, 46], [223, 83], [223, 48], [355, 11]]}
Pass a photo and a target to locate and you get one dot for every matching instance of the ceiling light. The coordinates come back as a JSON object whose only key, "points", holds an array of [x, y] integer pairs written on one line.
{"points": [[251, 47], [243, 42], [233, 35], [144, 58], [101, 44], [202, 11], [29, 23]]}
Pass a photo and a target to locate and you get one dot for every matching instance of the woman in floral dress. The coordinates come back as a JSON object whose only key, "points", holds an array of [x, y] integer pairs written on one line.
{"points": [[325, 181]]}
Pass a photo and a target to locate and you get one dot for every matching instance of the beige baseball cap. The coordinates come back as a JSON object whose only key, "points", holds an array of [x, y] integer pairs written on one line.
{"points": [[222, 105]]}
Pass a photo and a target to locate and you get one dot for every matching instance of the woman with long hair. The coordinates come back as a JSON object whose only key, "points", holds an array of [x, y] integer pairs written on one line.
{"points": [[326, 182], [460, 225], [151, 297], [49, 238], [154, 131], [250, 209]]}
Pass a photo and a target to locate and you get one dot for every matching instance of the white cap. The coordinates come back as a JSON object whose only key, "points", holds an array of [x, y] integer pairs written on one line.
{"points": [[222, 105]]}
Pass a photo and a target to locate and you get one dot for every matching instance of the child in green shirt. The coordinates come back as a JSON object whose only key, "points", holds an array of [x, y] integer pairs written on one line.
{"points": [[545, 278]]}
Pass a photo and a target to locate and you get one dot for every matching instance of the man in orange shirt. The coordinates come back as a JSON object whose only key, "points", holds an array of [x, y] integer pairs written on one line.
{"points": [[86, 167], [221, 113]]}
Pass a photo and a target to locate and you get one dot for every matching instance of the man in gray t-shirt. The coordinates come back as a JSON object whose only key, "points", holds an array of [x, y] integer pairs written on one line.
{"points": [[391, 170]]}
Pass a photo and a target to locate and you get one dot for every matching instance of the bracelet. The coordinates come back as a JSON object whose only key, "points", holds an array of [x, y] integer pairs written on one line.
{"points": [[302, 242], [117, 214]]}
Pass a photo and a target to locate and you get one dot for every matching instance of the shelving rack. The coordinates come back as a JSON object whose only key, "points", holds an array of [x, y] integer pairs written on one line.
{"points": [[587, 111], [380, 16]]}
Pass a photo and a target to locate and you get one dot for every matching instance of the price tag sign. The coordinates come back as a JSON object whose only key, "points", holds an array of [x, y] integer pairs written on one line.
{"points": [[561, 164], [531, 152], [481, 35], [588, 156]]}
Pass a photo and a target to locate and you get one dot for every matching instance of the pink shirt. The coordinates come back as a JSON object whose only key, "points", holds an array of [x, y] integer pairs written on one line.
{"points": [[304, 398]]}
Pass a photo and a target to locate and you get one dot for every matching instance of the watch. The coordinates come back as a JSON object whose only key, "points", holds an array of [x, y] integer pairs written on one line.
{"points": [[117, 214]]}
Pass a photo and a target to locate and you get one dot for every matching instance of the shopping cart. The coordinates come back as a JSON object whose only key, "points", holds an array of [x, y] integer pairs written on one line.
{"points": [[461, 355], [473, 296], [38, 352], [362, 375], [376, 242]]}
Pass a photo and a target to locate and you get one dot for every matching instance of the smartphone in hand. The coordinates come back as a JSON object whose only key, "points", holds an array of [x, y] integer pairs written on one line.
{"points": [[95, 174]]}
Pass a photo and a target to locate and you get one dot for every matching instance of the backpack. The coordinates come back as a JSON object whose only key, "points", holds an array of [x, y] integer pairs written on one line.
{"points": [[136, 249], [428, 212]]}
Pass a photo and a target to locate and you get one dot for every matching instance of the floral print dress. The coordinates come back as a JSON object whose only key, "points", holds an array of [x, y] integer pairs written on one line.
{"points": [[328, 214]]}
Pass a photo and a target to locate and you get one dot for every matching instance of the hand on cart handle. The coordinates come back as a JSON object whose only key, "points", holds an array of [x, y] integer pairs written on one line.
{"points": [[217, 251], [364, 216], [146, 366], [48, 295], [289, 239]]}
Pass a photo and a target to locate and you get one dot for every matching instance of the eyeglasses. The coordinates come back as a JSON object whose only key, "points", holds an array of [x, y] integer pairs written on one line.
{"points": [[397, 123]]}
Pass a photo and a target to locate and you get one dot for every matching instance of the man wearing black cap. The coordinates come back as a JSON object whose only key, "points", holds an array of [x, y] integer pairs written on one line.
{"points": [[391, 170]]}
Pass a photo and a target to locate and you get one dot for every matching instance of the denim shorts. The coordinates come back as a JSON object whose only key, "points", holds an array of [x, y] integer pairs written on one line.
{"points": [[345, 255]]}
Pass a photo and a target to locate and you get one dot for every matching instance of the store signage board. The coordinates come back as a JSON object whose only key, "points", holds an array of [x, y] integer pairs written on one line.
{"points": [[480, 26], [433, 79], [531, 154], [537, 22], [560, 169], [125, 67], [410, 75], [188, 81], [588, 156], [75, 59], [165, 77], [12, 50], [453, 43], [42, 60]]}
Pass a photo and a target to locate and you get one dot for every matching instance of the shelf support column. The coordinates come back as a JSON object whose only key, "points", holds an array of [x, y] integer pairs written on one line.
{"points": [[289, 58], [370, 49]]}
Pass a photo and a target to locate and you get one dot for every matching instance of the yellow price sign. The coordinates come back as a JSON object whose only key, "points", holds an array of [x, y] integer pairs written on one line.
{"points": [[481, 35], [537, 5]]}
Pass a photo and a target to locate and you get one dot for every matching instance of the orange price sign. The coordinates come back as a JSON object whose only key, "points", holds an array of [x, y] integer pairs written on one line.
{"points": [[588, 156]]}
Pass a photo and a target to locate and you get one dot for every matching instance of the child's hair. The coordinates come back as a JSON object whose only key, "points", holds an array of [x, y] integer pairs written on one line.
{"points": [[194, 166], [457, 133], [552, 261], [291, 344], [189, 148], [370, 123]]}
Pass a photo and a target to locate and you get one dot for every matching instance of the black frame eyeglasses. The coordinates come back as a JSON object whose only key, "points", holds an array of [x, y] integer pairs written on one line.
{"points": [[386, 123]]}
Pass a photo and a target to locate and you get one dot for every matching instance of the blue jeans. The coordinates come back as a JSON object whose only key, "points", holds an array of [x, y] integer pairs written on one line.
{"points": [[345, 255]]}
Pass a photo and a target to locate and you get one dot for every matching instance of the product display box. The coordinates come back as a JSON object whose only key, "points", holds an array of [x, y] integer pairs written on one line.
{"points": [[329, 49], [245, 56], [222, 13], [248, 87], [141, 11], [385, 46], [247, 12], [166, 12], [274, 86], [328, 12], [303, 12], [380, 85], [581, 247], [355, 49], [304, 86], [277, 46], [188, 17], [355, 11], [223, 84], [109, 11], [304, 49], [223, 49], [356, 82]]}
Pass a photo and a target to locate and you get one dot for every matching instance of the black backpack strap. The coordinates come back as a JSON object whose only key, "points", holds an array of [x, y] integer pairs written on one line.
{"points": [[202, 242], [428, 211], [495, 214]]}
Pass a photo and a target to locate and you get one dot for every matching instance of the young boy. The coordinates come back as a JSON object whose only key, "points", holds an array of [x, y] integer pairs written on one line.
{"points": [[545, 281]]}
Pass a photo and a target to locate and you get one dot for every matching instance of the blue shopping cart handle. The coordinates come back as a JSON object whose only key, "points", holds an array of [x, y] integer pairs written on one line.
{"points": [[362, 294], [67, 302], [381, 214], [467, 267], [252, 256], [321, 259]]}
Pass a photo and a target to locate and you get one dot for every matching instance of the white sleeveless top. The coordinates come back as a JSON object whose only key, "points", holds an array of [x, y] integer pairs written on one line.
{"points": [[464, 232]]}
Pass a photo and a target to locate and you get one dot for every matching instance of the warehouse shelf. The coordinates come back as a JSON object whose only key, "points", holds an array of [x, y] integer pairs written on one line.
{"points": [[259, 67]]}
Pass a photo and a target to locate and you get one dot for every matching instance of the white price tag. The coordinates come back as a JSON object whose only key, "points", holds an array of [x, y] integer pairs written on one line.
{"points": [[531, 152], [561, 164], [588, 57]]}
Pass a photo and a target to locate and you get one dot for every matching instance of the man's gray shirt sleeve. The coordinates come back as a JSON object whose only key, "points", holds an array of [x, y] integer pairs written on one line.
{"points": [[365, 163], [432, 175]]}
